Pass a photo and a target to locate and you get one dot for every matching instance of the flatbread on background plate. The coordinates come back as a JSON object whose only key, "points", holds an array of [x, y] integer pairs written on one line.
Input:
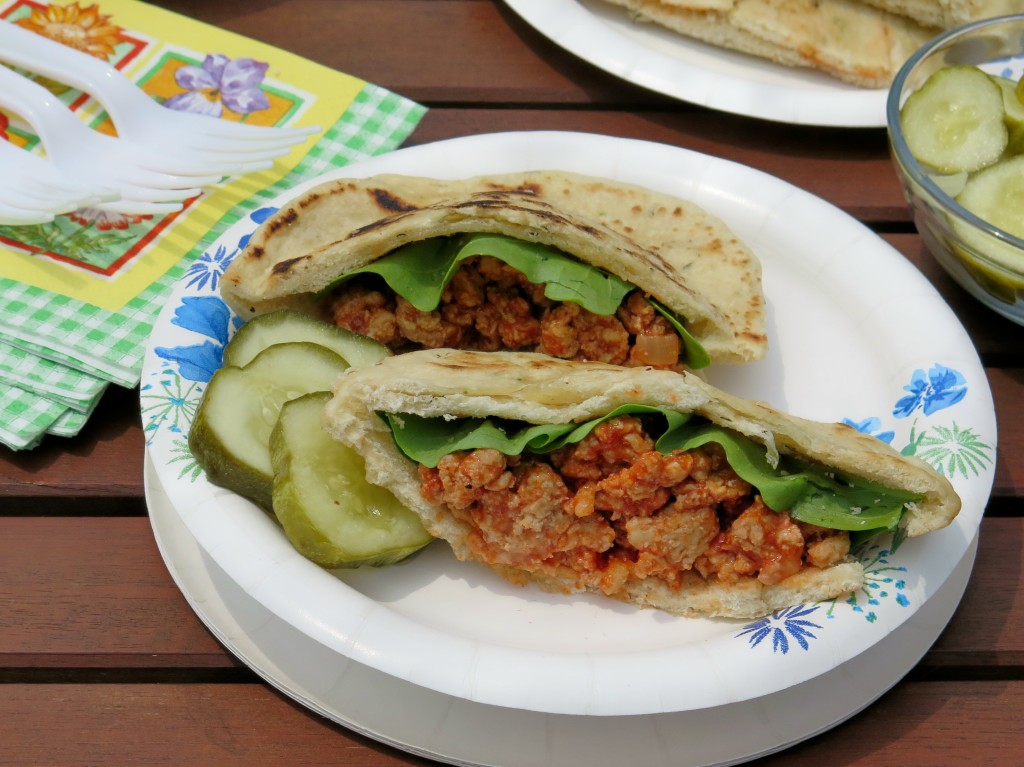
{"points": [[946, 14], [858, 43]]}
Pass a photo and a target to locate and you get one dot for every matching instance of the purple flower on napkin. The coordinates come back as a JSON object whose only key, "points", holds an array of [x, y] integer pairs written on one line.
{"points": [[221, 82]]}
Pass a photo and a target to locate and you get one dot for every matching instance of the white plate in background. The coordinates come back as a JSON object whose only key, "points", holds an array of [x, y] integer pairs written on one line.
{"points": [[690, 70]]}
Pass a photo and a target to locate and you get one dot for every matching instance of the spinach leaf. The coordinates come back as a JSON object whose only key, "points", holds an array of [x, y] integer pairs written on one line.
{"points": [[420, 271], [428, 440], [696, 355], [808, 492]]}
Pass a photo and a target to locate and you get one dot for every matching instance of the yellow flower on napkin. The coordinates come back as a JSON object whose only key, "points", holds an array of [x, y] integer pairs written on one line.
{"points": [[84, 29]]}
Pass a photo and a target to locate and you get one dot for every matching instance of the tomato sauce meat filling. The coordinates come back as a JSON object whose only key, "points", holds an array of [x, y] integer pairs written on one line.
{"points": [[490, 306], [611, 509]]}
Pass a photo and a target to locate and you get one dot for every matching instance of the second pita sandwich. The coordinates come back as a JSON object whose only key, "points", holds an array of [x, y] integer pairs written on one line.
{"points": [[647, 486]]}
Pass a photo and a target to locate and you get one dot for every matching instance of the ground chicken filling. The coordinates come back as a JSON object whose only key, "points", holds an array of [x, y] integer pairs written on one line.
{"points": [[489, 306], [612, 510]]}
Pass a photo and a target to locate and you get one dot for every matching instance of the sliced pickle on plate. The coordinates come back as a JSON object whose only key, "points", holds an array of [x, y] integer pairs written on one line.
{"points": [[328, 510], [230, 435], [285, 326]]}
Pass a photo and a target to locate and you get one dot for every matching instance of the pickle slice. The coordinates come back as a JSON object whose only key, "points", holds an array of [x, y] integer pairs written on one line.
{"points": [[1013, 113], [954, 122], [996, 195], [285, 326], [230, 436], [328, 510]]}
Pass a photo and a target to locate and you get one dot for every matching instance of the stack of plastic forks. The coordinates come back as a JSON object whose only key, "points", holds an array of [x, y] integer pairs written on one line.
{"points": [[160, 157]]}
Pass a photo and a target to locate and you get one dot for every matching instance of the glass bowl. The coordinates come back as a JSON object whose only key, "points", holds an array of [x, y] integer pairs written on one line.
{"points": [[987, 261]]}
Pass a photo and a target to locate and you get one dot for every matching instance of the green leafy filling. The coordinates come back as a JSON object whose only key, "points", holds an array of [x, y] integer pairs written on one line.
{"points": [[808, 492], [420, 271]]}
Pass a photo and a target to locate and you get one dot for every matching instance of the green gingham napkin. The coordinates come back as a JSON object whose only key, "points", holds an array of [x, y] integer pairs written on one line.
{"points": [[26, 417], [65, 385], [58, 350]]}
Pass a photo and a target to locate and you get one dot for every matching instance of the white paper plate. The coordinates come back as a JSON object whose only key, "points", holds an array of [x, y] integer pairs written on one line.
{"points": [[457, 731], [856, 333], [689, 70]]}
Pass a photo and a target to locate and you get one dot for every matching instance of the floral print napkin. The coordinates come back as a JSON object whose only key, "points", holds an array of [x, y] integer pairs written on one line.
{"points": [[79, 295]]}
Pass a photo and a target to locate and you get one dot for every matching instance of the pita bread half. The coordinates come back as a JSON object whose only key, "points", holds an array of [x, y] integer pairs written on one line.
{"points": [[946, 14], [854, 42], [670, 248], [539, 389]]}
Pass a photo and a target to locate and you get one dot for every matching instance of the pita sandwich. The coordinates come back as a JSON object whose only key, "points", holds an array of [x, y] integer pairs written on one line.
{"points": [[858, 43], [329, 252], [648, 486]]}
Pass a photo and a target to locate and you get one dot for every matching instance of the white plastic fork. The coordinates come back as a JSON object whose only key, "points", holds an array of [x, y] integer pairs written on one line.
{"points": [[93, 159], [33, 191], [180, 139], [10, 216]]}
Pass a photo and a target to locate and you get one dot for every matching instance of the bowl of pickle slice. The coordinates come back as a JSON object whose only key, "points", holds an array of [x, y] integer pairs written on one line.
{"points": [[955, 116]]}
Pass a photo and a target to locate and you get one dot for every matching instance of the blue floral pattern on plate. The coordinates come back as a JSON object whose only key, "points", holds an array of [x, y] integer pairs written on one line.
{"points": [[170, 401], [783, 626]]}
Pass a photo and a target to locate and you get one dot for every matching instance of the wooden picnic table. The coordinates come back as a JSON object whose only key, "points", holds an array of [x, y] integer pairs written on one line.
{"points": [[103, 662]]}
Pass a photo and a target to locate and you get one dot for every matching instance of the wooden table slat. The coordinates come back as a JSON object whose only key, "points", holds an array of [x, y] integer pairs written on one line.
{"points": [[246, 724], [102, 598], [449, 51]]}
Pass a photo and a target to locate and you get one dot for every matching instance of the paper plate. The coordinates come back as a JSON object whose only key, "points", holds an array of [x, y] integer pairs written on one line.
{"points": [[856, 334], [458, 731]]}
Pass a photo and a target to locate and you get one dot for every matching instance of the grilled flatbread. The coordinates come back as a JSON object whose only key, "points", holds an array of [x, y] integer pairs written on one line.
{"points": [[683, 551], [946, 14], [670, 249], [854, 42]]}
